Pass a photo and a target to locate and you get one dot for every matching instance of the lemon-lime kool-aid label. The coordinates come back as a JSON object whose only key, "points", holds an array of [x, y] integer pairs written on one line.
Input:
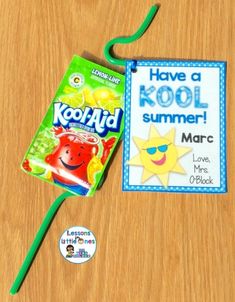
{"points": [[80, 130], [175, 136]]}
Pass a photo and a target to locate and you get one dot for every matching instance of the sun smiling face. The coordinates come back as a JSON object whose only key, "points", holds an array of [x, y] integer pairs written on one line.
{"points": [[158, 155]]}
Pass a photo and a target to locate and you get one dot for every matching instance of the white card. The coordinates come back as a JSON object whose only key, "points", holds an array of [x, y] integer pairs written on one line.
{"points": [[175, 132]]}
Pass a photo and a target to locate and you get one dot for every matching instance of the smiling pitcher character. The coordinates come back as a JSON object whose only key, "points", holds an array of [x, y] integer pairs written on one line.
{"points": [[74, 160]]}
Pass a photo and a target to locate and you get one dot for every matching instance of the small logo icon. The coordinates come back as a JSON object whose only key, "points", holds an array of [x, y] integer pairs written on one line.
{"points": [[76, 80], [77, 244]]}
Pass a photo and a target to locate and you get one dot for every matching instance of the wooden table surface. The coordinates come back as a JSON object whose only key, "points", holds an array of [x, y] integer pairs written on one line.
{"points": [[151, 246]]}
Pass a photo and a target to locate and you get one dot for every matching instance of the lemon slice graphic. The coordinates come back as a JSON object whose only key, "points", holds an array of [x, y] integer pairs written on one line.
{"points": [[93, 167], [74, 100], [88, 97], [103, 94], [110, 105]]}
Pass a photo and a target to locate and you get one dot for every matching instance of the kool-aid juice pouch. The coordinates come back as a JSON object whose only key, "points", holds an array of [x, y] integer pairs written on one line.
{"points": [[80, 130]]}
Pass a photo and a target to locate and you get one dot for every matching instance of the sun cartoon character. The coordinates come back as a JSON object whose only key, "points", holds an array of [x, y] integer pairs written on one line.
{"points": [[158, 155]]}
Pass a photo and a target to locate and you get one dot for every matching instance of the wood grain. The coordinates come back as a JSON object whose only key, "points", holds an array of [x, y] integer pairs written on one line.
{"points": [[151, 247]]}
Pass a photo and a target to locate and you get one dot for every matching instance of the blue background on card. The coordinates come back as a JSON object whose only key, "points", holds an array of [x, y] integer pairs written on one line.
{"points": [[126, 152]]}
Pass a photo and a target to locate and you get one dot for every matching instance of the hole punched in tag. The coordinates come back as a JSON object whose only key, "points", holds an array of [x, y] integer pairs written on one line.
{"points": [[126, 40]]}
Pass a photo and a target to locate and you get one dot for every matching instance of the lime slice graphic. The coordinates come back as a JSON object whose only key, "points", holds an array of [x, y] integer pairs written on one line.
{"points": [[36, 169], [69, 89]]}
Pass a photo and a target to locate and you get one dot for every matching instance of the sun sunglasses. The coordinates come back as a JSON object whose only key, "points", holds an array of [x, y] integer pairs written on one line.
{"points": [[153, 150]]}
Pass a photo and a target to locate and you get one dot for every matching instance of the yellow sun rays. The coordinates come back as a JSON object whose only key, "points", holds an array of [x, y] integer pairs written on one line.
{"points": [[179, 152]]}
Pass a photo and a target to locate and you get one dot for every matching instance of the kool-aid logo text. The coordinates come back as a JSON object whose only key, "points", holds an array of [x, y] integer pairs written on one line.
{"points": [[91, 119]]}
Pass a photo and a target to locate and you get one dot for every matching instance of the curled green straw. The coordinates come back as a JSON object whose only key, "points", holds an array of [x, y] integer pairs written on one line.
{"points": [[57, 203], [125, 40], [37, 242]]}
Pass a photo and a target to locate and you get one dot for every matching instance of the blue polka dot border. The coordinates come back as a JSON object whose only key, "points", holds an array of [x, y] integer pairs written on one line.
{"points": [[221, 65]]}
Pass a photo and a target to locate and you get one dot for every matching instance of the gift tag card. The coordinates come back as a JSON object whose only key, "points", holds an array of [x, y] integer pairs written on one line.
{"points": [[175, 133]]}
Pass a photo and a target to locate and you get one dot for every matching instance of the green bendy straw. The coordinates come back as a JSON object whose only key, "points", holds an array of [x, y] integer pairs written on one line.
{"points": [[37, 242], [125, 40], [57, 203]]}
